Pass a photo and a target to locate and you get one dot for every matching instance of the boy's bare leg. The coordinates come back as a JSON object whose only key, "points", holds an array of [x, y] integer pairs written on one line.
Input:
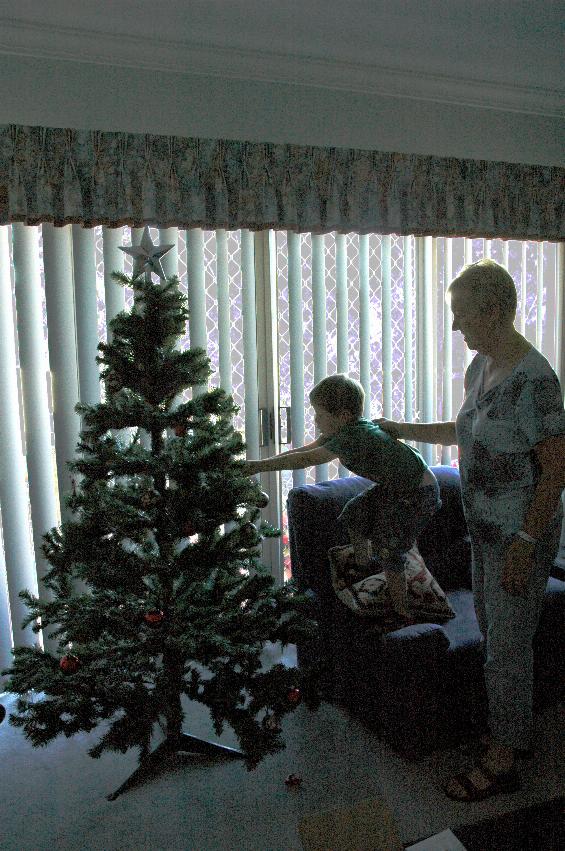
{"points": [[397, 589], [362, 548]]}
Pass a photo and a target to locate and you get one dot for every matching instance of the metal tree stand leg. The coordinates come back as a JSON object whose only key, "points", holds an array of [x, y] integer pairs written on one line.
{"points": [[183, 743]]}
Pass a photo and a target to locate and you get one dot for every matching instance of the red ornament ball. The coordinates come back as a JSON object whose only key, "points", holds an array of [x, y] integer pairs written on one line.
{"points": [[293, 780], [294, 696], [180, 430], [69, 664], [153, 618], [188, 529], [273, 722]]}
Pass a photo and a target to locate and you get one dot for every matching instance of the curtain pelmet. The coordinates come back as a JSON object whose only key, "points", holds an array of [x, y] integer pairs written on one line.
{"points": [[92, 177]]}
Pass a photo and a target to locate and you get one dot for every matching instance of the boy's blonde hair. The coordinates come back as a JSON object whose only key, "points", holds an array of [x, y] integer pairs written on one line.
{"points": [[338, 393], [490, 285]]}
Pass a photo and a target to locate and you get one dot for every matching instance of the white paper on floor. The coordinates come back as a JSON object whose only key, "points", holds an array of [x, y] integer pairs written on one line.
{"points": [[444, 841]]}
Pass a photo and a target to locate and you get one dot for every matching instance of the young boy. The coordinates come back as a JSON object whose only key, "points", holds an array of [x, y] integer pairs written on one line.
{"points": [[391, 514]]}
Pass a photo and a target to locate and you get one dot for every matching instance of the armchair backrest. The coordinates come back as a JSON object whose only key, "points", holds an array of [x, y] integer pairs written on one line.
{"points": [[444, 543]]}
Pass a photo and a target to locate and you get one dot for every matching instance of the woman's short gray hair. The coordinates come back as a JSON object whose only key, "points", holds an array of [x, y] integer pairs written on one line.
{"points": [[490, 284]]}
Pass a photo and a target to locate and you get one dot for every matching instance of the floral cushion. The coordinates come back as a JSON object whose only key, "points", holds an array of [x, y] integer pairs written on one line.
{"points": [[368, 596]]}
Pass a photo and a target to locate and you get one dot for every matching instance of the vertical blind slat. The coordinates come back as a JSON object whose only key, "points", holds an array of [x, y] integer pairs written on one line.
{"points": [[523, 285], [266, 308], [86, 313], [436, 328], [341, 302], [319, 307], [249, 312], [418, 297], [386, 327], [423, 343], [468, 259], [6, 628], [319, 339], [560, 359], [505, 253], [364, 322], [114, 294], [429, 330], [539, 298], [33, 364], [428, 335], [341, 298], [408, 330], [196, 294], [447, 372], [560, 316], [224, 323], [59, 300], [20, 561], [296, 347]]}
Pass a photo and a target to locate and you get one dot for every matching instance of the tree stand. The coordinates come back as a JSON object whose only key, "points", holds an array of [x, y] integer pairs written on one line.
{"points": [[152, 765]]}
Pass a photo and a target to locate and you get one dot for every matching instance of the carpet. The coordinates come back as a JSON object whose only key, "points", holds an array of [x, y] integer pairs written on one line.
{"points": [[55, 797]]}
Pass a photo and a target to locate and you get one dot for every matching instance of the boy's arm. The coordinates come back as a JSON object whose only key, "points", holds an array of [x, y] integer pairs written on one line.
{"points": [[303, 448], [297, 459]]}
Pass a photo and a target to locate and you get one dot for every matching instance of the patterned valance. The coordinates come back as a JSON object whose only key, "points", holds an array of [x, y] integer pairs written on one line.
{"points": [[94, 177]]}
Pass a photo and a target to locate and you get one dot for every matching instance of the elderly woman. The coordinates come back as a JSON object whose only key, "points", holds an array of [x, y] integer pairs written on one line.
{"points": [[511, 437]]}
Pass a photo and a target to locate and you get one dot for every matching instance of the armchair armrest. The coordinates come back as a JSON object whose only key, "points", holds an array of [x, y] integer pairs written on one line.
{"points": [[412, 685], [312, 512]]}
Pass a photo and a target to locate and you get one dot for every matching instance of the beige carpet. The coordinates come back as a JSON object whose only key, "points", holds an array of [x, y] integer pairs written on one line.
{"points": [[55, 797]]}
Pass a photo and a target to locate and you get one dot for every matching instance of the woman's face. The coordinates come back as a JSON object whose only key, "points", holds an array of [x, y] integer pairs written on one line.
{"points": [[476, 326]]}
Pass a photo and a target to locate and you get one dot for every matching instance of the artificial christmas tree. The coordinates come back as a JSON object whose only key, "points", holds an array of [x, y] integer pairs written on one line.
{"points": [[165, 535]]}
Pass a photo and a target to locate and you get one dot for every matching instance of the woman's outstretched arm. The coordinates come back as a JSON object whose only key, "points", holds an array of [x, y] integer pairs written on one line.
{"points": [[443, 433]]}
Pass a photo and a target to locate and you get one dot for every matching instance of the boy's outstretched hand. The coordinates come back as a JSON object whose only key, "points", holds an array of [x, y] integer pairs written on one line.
{"points": [[389, 426], [250, 468]]}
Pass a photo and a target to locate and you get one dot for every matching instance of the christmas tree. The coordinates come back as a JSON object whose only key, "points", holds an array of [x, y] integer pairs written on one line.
{"points": [[164, 545]]}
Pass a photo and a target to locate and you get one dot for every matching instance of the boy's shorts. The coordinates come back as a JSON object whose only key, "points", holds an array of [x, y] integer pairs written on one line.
{"points": [[390, 521]]}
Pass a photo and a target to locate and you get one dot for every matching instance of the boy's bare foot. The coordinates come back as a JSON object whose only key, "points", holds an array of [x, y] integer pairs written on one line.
{"points": [[362, 551], [397, 591]]}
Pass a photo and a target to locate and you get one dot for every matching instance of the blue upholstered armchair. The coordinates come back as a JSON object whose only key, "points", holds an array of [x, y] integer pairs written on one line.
{"points": [[420, 687]]}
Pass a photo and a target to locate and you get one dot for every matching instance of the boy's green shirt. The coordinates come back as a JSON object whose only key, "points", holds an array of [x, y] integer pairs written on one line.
{"points": [[365, 449]]}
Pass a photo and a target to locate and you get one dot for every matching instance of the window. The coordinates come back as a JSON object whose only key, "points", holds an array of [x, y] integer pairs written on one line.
{"points": [[369, 305]]}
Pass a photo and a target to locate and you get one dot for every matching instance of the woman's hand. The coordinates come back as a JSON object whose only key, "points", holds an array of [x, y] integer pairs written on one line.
{"points": [[518, 567], [392, 428]]}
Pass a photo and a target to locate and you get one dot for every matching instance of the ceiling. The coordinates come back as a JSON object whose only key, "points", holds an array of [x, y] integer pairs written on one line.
{"points": [[504, 51]]}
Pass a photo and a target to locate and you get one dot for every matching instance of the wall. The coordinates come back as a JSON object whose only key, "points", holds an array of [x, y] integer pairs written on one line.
{"points": [[86, 96]]}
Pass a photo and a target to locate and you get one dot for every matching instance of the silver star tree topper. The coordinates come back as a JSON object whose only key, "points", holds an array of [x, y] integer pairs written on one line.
{"points": [[147, 256]]}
